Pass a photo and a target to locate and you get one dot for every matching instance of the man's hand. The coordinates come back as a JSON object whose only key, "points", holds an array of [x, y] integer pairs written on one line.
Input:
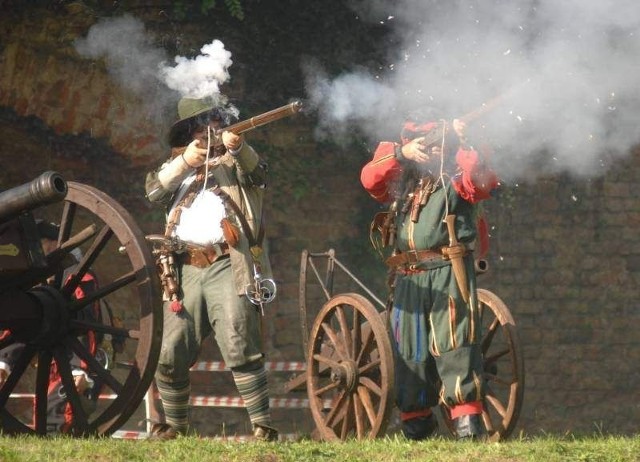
{"points": [[81, 383], [460, 128], [415, 150], [232, 141], [194, 155]]}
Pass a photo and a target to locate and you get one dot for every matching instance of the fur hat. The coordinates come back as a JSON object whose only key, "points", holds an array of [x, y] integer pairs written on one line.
{"points": [[194, 113]]}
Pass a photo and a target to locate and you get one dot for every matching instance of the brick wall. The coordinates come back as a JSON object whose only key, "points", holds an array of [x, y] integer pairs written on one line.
{"points": [[565, 256]]}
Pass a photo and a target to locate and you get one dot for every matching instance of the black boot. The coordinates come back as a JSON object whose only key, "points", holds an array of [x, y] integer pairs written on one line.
{"points": [[420, 428], [470, 427]]}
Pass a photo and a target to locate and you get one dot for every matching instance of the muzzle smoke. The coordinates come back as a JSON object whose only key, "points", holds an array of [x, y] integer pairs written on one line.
{"points": [[569, 70]]}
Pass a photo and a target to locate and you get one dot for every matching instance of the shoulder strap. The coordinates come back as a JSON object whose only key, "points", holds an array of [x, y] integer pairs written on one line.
{"points": [[253, 241]]}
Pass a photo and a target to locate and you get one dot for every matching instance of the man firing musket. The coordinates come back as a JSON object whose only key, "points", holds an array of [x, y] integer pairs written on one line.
{"points": [[434, 181], [217, 276]]}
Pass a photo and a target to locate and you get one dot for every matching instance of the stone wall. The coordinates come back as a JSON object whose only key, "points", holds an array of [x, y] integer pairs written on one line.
{"points": [[565, 256]]}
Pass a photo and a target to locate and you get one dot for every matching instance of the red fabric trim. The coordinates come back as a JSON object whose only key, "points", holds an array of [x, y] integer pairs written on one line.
{"points": [[475, 182], [473, 407], [415, 414], [380, 172], [411, 130]]}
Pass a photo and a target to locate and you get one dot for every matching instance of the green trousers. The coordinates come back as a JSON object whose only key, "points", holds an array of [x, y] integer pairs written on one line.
{"points": [[436, 338], [211, 304]]}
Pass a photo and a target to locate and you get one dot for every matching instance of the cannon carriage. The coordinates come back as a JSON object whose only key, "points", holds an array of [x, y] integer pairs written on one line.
{"points": [[40, 311]]}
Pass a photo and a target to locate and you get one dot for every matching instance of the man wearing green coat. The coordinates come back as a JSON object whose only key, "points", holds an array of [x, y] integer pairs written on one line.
{"points": [[435, 180], [213, 189]]}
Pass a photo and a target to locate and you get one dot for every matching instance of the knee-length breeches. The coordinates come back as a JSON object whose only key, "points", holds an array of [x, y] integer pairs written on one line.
{"points": [[436, 339], [210, 304]]}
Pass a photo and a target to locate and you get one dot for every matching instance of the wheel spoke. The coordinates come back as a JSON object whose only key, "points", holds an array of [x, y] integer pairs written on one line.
{"points": [[365, 397], [367, 367], [85, 326], [491, 332], [326, 388], [356, 334], [497, 380], [346, 421], [495, 403], [346, 332], [42, 389], [87, 260], [64, 369], [333, 413], [339, 346], [16, 372], [78, 348], [358, 415], [116, 284], [496, 356], [368, 342], [325, 360], [371, 385]]}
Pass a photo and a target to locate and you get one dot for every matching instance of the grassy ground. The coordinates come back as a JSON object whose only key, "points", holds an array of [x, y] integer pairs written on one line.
{"points": [[189, 449]]}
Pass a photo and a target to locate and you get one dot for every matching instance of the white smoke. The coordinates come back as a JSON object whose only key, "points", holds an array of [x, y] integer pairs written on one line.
{"points": [[139, 66], [568, 71], [201, 76]]}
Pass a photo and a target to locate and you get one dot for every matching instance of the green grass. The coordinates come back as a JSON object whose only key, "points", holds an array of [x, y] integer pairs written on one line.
{"points": [[391, 449]]}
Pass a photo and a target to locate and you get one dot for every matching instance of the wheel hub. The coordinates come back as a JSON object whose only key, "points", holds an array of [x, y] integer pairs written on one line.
{"points": [[54, 324], [346, 374]]}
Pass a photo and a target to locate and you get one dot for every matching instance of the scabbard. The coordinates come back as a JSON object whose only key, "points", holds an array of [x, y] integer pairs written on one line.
{"points": [[456, 255]]}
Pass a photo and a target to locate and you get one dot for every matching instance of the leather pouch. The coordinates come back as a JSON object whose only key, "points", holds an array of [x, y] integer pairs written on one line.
{"points": [[230, 231]]}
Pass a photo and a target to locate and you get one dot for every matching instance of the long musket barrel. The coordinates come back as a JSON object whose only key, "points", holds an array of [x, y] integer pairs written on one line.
{"points": [[263, 119], [435, 136]]}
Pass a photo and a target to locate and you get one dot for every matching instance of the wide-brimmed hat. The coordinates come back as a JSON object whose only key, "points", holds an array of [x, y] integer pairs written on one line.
{"points": [[189, 111]]}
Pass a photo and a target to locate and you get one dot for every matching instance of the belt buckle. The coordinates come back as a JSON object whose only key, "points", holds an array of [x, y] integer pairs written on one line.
{"points": [[409, 254]]}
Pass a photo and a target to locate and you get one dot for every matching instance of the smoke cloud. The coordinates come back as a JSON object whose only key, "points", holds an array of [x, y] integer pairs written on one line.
{"points": [[566, 72], [139, 66]]}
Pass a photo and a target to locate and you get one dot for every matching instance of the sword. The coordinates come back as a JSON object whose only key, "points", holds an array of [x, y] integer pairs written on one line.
{"points": [[455, 252]]}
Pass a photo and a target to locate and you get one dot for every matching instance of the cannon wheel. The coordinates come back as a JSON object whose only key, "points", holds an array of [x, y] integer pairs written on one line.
{"points": [[350, 369], [503, 368], [105, 232]]}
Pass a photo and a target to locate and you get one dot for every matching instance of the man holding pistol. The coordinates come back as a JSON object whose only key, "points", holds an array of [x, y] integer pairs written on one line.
{"points": [[212, 188], [434, 180]]}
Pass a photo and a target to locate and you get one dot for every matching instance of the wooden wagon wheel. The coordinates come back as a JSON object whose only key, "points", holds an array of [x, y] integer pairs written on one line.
{"points": [[350, 369], [114, 248], [503, 368]]}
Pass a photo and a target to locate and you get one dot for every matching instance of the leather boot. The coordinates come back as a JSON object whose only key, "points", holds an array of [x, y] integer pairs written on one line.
{"points": [[420, 428], [265, 433], [470, 427], [162, 431]]}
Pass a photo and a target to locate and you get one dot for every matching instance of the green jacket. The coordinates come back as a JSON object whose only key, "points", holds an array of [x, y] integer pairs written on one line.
{"points": [[243, 178]]}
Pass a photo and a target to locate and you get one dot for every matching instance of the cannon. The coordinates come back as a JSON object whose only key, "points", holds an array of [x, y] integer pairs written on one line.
{"points": [[41, 311]]}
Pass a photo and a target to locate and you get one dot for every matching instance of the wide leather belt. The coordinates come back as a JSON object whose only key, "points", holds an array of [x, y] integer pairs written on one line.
{"points": [[202, 257], [414, 257]]}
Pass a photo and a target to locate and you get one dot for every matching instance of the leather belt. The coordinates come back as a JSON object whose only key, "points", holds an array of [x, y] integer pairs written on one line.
{"points": [[202, 257], [414, 257]]}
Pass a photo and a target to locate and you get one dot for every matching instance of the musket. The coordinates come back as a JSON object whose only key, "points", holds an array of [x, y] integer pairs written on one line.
{"points": [[435, 135], [262, 119], [249, 124]]}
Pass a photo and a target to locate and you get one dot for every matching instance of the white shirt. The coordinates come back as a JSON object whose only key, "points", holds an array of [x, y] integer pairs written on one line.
{"points": [[200, 222]]}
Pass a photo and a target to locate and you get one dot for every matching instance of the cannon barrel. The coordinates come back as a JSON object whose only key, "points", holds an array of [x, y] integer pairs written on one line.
{"points": [[48, 188]]}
